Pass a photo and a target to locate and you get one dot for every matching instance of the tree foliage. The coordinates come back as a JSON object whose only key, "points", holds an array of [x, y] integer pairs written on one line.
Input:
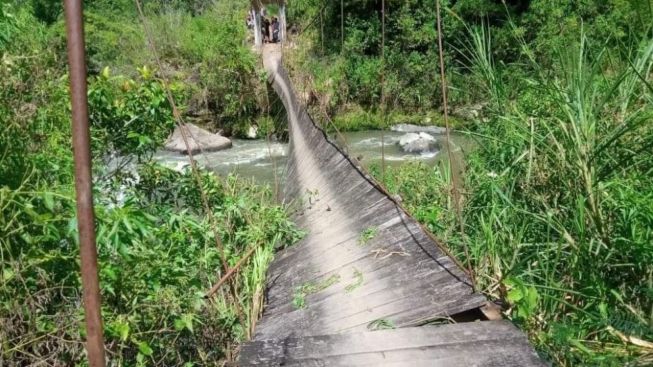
{"points": [[156, 245], [557, 192], [410, 68]]}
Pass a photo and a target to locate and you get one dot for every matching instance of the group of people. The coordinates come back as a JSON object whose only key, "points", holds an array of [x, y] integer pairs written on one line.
{"points": [[269, 29]]}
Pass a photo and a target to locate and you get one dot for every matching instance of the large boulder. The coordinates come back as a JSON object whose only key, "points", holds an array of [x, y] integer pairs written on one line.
{"points": [[198, 140], [409, 128], [418, 143]]}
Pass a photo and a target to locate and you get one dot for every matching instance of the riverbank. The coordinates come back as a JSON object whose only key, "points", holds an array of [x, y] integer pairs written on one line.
{"points": [[354, 118]]}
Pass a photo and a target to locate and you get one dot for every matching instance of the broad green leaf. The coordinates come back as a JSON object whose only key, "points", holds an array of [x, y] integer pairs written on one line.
{"points": [[7, 274], [603, 310], [48, 201], [515, 295], [106, 72], [179, 324], [145, 349], [123, 329], [188, 322]]}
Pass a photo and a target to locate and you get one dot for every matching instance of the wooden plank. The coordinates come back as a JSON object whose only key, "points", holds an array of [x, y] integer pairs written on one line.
{"points": [[366, 285], [404, 299], [391, 248], [388, 270], [490, 343]]}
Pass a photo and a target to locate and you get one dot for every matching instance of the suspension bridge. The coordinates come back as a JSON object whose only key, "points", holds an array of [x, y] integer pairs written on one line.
{"points": [[367, 285]]}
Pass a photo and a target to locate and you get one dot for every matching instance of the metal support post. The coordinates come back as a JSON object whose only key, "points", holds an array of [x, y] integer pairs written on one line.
{"points": [[84, 183]]}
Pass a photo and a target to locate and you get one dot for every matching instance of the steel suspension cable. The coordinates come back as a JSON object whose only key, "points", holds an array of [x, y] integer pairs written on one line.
{"points": [[342, 25], [182, 129], [312, 21], [322, 29], [454, 189]]}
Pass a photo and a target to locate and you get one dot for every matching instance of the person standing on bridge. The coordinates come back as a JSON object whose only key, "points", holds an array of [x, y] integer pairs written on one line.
{"points": [[266, 30], [275, 30]]}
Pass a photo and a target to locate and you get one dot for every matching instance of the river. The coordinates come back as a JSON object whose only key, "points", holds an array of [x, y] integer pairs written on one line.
{"points": [[257, 159]]}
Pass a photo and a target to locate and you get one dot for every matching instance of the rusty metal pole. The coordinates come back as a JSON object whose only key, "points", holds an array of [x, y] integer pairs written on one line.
{"points": [[83, 183]]}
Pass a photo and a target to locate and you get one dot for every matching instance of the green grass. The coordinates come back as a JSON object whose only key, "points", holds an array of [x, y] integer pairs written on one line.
{"points": [[357, 283], [558, 204], [367, 235], [299, 297], [381, 324]]}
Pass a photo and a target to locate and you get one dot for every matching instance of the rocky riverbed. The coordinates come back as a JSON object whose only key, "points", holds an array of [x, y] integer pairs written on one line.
{"points": [[262, 160]]}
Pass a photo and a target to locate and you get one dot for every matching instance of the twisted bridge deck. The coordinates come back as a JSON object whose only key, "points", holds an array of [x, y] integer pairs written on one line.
{"points": [[364, 264]]}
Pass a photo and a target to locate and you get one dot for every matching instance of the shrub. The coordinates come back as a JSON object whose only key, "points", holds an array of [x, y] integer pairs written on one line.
{"points": [[157, 259], [557, 205], [129, 116]]}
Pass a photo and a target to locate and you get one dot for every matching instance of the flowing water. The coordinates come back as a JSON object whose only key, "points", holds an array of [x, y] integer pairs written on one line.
{"points": [[261, 160]]}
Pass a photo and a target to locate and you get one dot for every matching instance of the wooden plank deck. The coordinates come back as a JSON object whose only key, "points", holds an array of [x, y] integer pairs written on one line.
{"points": [[364, 261], [488, 343]]}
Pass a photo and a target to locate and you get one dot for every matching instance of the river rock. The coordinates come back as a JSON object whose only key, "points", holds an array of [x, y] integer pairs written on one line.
{"points": [[409, 128], [198, 140], [252, 132], [418, 143], [469, 112]]}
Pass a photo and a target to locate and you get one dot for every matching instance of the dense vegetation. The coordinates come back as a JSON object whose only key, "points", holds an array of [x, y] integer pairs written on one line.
{"points": [[157, 247], [341, 68], [202, 46], [557, 200], [557, 196]]}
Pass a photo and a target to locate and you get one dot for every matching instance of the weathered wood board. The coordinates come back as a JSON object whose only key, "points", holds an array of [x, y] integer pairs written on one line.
{"points": [[488, 343]]}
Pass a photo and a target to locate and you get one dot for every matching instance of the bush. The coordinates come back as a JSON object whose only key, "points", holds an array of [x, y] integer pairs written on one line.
{"points": [[157, 259], [129, 116], [558, 204], [411, 62], [209, 52], [156, 247]]}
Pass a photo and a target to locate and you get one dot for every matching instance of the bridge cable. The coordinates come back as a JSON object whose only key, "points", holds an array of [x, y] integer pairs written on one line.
{"points": [[274, 165], [454, 189], [194, 168], [322, 107], [313, 20], [274, 118], [322, 29]]}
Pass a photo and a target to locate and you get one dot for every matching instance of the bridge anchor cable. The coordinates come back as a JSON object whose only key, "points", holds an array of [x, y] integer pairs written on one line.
{"points": [[445, 106]]}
